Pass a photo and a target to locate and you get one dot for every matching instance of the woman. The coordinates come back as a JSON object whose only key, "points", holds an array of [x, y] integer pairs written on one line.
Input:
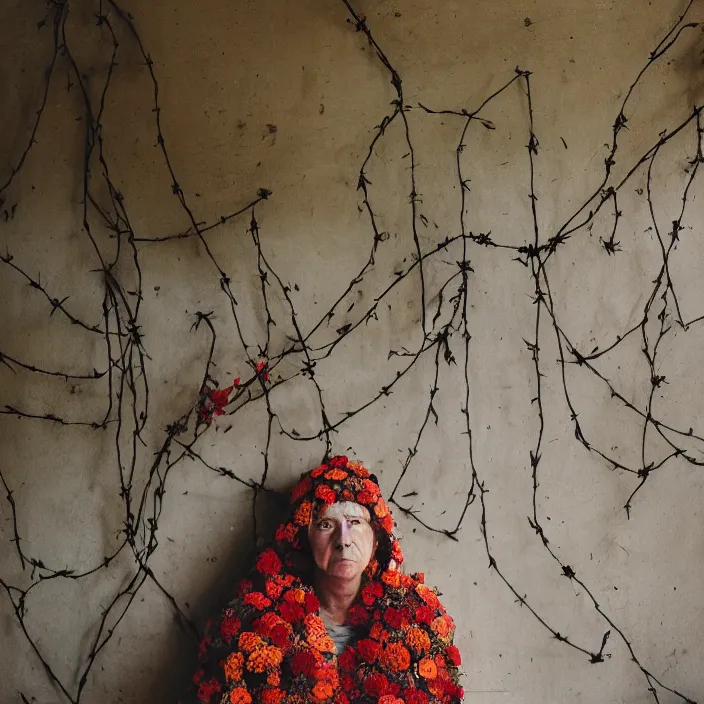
{"points": [[326, 617]]}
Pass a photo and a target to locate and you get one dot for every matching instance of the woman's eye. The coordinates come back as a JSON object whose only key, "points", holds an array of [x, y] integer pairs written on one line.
{"points": [[355, 521], [324, 525]]}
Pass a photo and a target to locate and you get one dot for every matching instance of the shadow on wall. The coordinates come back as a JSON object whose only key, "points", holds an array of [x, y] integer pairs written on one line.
{"points": [[173, 666]]}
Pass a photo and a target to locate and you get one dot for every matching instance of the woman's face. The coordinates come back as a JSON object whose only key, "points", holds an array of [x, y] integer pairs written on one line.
{"points": [[342, 540]]}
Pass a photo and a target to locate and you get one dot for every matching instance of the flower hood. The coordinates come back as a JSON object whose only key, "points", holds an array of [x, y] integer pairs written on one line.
{"points": [[336, 480]]}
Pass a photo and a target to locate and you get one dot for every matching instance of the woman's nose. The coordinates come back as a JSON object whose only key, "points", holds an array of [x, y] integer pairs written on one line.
{"points": [[343, 534]]}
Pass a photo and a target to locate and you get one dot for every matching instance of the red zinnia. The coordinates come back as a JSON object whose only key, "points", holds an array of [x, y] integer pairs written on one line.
{"points": [[341, 698], [454, 690], [405, 613], [269, 562], [279, 636], [347, 683], [303, 663], [291, 612], [366, 497], [424, 614], [318, 470], [325, 493], [412, 695], [453, 655], [369, 649], [347, 659], [301, 489], [393, 617], [372, 592], [357, 615], [271, 695], [286, 532], [376, 685], [207, 689], [339, 461], [450, 689], [229, 627], [311, 603]]}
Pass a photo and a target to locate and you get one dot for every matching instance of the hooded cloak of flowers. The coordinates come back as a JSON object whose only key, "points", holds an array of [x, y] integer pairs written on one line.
{"points": [[271, 646]]}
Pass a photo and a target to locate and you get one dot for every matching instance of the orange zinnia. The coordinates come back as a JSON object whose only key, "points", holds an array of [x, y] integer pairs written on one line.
{"points": [[396, 657], [336, 474], [314, 625], [257, 600], [285, 580], [233, 666], [358, 468], [378, 632], [406, 580], [240, 695], [325, 644], [273, 590], [318, 636], [428, 596], [381, 509], [418, 639], [392, 578], [318, 470], [269, 620], [303, 513], [428, 669], [322, 691], [248, 641], [440, 626], [265, 658]]}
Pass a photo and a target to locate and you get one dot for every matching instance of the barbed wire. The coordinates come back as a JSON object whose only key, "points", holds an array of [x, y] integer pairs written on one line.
{"points": [[444, 326]]}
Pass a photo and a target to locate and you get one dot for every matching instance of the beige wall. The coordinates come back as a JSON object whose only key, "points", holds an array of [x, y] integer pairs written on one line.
{"points": [[286, 96]]}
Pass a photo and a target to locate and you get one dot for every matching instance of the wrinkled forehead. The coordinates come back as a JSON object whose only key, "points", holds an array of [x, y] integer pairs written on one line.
{"points": [[344, 509]]}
